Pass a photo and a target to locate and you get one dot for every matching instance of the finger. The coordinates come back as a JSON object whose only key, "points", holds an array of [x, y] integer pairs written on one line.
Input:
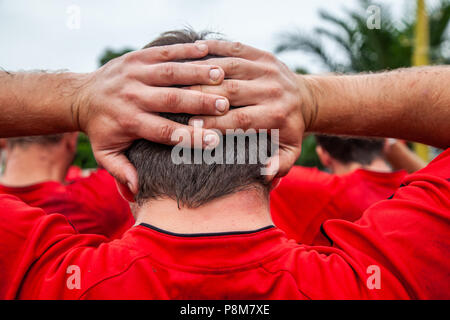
{"points": [[241, 92], [161, 130], [280, 163], [120, 168], [173, 52], [233, 49], [252, 117], [235, 68], [173, 73], [287, 158], [176, 100]]}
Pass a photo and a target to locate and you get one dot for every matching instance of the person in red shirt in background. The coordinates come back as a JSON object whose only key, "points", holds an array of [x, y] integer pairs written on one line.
{"points": [[359, 176], [36, 171]]}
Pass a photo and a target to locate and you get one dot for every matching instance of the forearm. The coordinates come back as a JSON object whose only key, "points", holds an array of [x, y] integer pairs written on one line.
{"points": [[401, 157], [38, 103], [411, 104]]}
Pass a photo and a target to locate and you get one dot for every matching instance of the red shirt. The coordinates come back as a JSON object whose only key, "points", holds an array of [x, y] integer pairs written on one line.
{"points": [[404, 239], [307, 197], [92, 204]]}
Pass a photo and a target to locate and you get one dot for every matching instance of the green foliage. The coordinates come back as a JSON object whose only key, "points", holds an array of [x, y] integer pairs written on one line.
{"points": [[84, 157], [110, 54], [309, 157], [365, 49]]}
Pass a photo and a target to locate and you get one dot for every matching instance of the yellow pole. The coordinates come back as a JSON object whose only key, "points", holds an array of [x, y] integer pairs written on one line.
{"points": [[421, 56]]}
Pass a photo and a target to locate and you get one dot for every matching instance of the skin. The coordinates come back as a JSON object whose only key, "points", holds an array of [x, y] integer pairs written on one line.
{"points": [[337, 167], [34, 163], [114, 105], [401, 157], [408, 104]]}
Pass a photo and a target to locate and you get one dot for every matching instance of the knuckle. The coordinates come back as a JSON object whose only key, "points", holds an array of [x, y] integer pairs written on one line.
{"points": [[242, 120], [129, 95], [165, 132], [172, 99], [236, 48], [269, 57], [232, 87], [168, 71], [278, 116], [130, 57], [205, 104], [129, 124], [233, 66], [164, 53], [275, 92]]}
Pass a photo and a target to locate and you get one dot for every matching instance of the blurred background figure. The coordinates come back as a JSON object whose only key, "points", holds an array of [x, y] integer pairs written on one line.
{"points": [[358, 176], [2, 155], [38, 171]]}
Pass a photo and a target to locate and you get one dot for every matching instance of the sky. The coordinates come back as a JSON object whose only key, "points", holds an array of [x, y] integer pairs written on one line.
{"points": [[71, 35]]}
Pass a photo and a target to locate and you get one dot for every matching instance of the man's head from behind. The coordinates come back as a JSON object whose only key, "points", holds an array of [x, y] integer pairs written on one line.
{"points": [[59, 149], [193, 184], [347, 151]]}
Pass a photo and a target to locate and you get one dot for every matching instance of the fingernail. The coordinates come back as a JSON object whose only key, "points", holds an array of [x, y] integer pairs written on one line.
{"points": [[201, 46], [211, 140], [214, 74], [221, 105]]}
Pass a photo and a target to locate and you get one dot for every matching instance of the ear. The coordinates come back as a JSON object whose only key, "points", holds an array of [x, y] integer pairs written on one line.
{"points": [[124, 191], [71, 141], [324, 156]]}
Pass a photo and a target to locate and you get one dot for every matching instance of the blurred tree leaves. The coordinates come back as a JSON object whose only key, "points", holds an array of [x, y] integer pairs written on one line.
{"points": [[110, 54], [84, 157], [363, 49]]}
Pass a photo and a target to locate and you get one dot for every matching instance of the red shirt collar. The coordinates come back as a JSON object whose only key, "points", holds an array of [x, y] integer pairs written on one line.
{"points": [[216, 251]]}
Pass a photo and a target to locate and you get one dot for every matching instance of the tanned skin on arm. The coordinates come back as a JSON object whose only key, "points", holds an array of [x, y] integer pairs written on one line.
{"points": [[37, 103], [116, 104], [411, 104], [401, 157]]}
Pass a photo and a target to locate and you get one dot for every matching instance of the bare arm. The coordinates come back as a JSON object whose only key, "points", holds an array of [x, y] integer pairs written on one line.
{"points": [[411, 104], [402, 158], [114, 105]]}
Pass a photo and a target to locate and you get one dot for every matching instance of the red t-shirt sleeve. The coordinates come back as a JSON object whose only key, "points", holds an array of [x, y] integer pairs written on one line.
{"points": [[37, 248], [105, 211], [407, 237]]}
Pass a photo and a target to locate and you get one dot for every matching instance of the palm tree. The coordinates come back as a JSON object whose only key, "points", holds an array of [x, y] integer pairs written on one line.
{"points": [[366, 49]]}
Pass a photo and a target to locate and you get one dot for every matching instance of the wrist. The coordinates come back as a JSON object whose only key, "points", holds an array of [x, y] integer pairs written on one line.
{"points": [[309, 97], [80, 101]]}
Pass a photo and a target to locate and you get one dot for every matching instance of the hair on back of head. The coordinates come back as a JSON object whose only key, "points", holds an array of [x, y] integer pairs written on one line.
{"points": [[195, 184], [349, 149], [44, 140]]}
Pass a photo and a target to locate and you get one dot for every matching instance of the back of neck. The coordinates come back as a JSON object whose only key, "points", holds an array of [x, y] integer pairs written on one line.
{"points": [[30, 167], [377, 165], [242, 211]]}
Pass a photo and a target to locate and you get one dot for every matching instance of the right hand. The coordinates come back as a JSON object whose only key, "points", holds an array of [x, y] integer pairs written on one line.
{"points": [[274, 97], [119, 102]]}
